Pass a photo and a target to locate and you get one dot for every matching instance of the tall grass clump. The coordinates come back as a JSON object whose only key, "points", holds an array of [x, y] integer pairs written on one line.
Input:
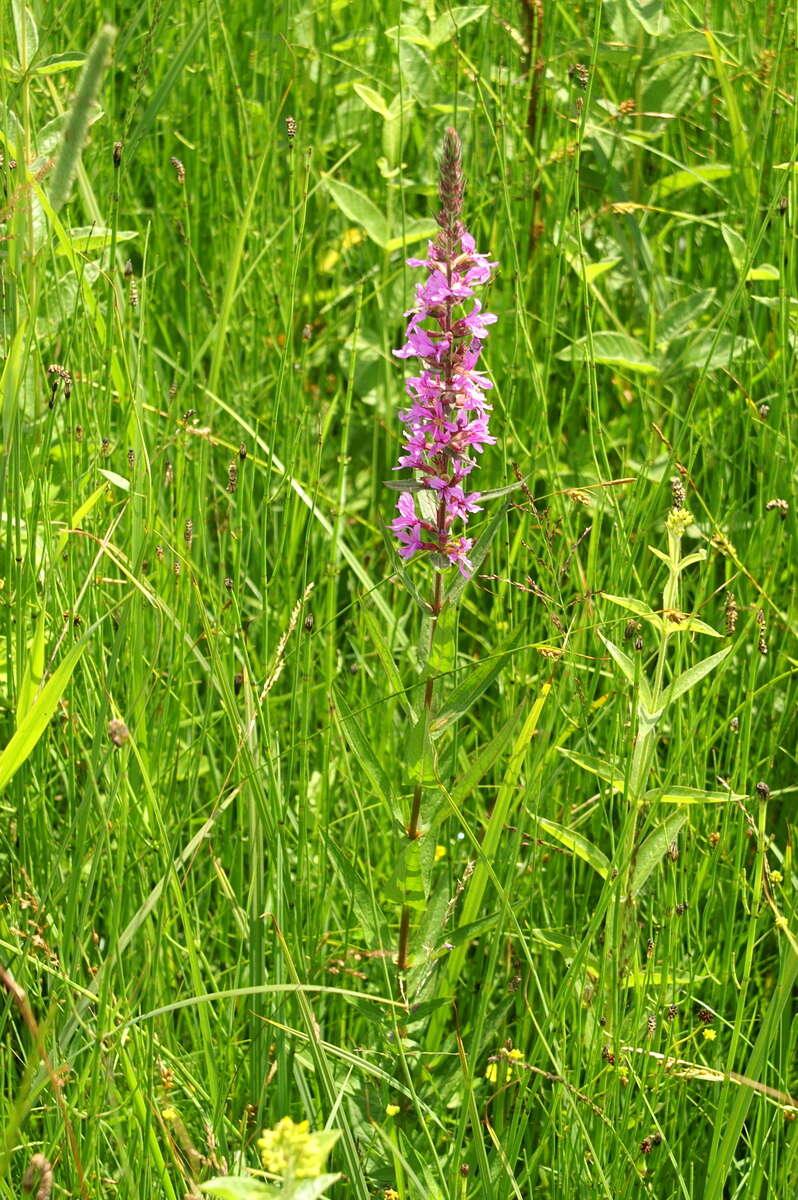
{"points": [[435, 851]]}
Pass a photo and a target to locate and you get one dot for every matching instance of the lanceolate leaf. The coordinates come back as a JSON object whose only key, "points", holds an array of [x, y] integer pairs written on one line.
{"points": [[596, 766], [35, 721], [576, 843], [238, 1187], [689, 678], [361, 747], [686, 795], [614, 349], [359, 208], [33, 672], [477, 680], [623, 660], [477, 555], [654, 849]]}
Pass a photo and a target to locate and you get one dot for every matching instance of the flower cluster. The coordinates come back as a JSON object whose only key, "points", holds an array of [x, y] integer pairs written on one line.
{"points": [[292, 1152], [447, 420]]}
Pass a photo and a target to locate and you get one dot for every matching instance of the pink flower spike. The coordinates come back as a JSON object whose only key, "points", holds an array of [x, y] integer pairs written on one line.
{"points": [[447, 418]]}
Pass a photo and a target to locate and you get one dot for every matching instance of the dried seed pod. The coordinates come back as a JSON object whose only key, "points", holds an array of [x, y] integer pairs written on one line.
{"points": [[180, 170], [56, 373], [762, 645], [677, 493], [118, 732], [118, 154], [731, 613], [41, 1168]]}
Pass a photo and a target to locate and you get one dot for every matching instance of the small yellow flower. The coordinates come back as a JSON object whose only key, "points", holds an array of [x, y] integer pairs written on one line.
{"points": [[776, 877], [440, 852], [291, 1151], [391, 1109], [491, 1073], [515, 1056], [391, 1194], [709, 1035]]}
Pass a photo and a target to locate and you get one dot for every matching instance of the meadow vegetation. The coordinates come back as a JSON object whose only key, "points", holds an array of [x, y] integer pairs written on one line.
{"points": [[213, 662]]}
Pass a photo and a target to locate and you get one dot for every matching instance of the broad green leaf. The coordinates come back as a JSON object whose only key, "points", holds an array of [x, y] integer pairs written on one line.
{"points": [[361, 747], [688, 177], [355, 889], [708, 351], [654, 849], [409, 881], [92, 239], [478, 679], [421, 79], [765, 271], [576, 843], [596, 766], [78, 515], [678, 317], [651, 15], [477, 555], [441, 653], [376, 635], [612, 349], [670, 87], [689, 678], [735, 244], [54, 64], [26, 31], [11, 132], [372, 99], [357, 207], [623, 660], [417, 230], [686, 795], [309, 1189], [446, 26], [593, 271], [419, 753], [37, 718], [638, 607], [33, 672], [117, 480], [236, 1187], [487, 756], [694, 625], [567, 946], [497, 822]]}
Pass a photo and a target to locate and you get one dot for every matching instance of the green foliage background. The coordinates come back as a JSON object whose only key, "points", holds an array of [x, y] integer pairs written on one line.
{"points": [[203, 917]]}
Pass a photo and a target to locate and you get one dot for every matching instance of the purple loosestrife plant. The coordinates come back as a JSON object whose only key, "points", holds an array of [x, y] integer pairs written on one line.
{"points": [[446, 428], [447, 421]]}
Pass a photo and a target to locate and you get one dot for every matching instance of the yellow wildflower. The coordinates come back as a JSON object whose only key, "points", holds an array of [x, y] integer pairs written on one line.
{"points": [[291, 1151], [391, 1109]]}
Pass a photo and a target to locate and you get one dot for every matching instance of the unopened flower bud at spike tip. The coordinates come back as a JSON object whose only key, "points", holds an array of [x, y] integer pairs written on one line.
{"points": [[451, 185]]}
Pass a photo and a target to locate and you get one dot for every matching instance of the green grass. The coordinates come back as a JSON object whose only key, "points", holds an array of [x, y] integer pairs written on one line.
{"points": [[203, 919]]}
